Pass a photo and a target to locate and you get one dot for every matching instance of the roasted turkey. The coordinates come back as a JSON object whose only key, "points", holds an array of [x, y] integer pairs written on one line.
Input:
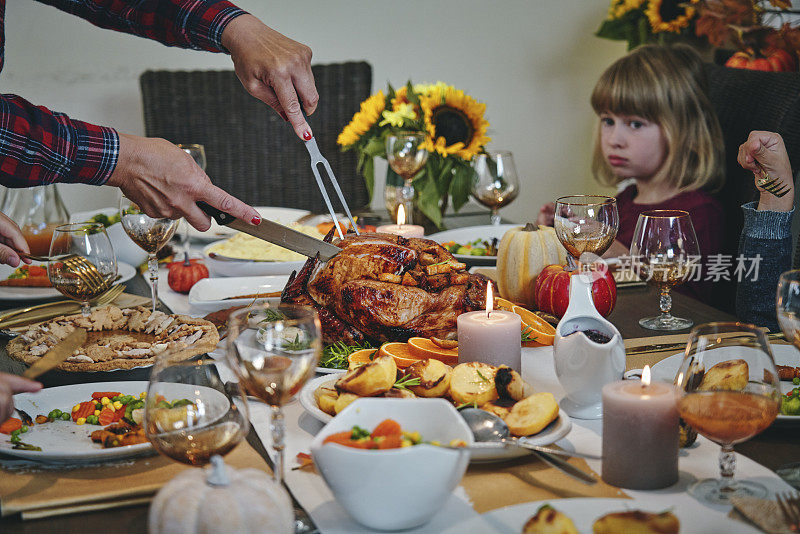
{"points": [[384, 287]]}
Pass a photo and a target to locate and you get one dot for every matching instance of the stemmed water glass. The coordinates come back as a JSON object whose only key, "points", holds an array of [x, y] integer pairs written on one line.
{"points": [[406, 157], [150, 233], [665, 253], [788, 306], [198, 154], [83, 264], [496, 183], [585, 224], [727, 389], [274, 351]]}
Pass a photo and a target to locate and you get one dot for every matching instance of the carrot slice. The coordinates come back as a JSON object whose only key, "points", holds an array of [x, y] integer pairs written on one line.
{"points": [[84, 410], [97, 395], [9, 425], [387, 427], [340, 437], [106, 416], [390, 442]]}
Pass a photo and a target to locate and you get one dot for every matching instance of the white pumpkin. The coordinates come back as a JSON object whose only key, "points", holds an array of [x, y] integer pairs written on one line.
{"points": [[221, 500], [522, 254]]}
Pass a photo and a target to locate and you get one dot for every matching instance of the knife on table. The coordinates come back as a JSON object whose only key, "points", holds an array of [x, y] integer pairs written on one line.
{"points": [[275, 233], [57, 354]]}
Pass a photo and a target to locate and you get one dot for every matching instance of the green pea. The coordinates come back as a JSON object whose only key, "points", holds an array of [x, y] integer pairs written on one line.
{"points": [[24, 428], [796, 381], [98, 406], [54, 414], [15, 438], [65, 417]]}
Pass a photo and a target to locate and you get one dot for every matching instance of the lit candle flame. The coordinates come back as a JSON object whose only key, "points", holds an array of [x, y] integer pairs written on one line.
{"points": [[646, 375], [489, 299], [401, 215]]}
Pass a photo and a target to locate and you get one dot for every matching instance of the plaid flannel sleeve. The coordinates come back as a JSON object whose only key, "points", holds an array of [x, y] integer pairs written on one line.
{"points": [[196, 24], [39, 146]]}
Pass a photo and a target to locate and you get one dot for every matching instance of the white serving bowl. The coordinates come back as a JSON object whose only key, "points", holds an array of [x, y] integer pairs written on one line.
{"points": [[220, 266], [124, 247], [394, 489]]}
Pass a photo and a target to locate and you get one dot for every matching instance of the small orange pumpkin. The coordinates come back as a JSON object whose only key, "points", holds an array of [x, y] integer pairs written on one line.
{"points": [[184, 274], [771, 59]]}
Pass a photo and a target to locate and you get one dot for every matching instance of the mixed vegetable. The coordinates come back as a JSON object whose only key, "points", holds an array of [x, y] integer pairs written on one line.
{"points": [[387, 435], [479, 247], [790, 403]]}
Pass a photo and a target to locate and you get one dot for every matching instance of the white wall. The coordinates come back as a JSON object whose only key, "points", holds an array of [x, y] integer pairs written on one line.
{"points": [[533, 62]]}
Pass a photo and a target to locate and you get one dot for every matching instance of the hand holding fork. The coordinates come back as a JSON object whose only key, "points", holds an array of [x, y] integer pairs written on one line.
{"points": [[765, 154]]}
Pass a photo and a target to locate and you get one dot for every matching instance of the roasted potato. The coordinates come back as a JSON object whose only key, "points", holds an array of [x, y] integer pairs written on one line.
{"points": [[342, 401], [637, 522], [500, 407], [731, 375], [532, 414], [548, 520], [371, 379], [399, 393], [434, 377], [473, 382], [326, 396], [510, 384]]}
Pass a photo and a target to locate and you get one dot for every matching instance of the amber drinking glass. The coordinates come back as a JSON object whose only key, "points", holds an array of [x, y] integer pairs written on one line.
{"points": [[406, 157], [728, 391], [586, 224]]}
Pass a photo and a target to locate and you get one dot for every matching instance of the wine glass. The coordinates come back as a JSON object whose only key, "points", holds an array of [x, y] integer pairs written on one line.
{"points": [[585, 224], [496, 183], [665, 253], [730, 410], [83, 264], [788, 306], [274, 351], [198, 154], [150, 233], [406, 157]]}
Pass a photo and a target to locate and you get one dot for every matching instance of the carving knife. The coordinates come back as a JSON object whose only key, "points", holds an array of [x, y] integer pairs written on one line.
{"points": [[275, 233], [57, 354]]}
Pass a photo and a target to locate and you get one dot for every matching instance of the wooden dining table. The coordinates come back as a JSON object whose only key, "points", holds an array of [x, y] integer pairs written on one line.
{"points": [[776, 446]]}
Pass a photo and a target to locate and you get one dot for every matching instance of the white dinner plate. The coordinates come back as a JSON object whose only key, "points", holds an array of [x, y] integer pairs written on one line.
{"points": [[65, 441], [275, 214], [552, 433], [666, 369], [40, 293], [212, 294], [693, 517], [232, 267], [467, 234]]}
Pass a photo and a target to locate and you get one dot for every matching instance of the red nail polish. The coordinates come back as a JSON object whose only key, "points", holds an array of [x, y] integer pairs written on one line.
{"points": [[307, 135], [256, 220]]}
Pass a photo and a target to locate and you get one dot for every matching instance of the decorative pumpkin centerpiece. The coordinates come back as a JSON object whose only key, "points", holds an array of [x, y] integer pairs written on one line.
{"points": [[551, 290], [222, 500], [522, 254], [184, 274]]}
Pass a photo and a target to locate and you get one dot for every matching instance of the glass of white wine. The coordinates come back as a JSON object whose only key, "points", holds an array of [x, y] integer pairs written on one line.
{"points": [[665, 253], [198, 153], [150, 233], [496, 182], [585, 224], [406, 156], [274, 351]]}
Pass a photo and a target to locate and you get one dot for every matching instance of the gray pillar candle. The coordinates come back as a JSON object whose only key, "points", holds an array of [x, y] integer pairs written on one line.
{"points": [[640, 434], [490, 336]]}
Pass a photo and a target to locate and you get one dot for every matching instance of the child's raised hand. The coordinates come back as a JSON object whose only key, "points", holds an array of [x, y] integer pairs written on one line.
{"points": [[546, 214], [769, 150]]}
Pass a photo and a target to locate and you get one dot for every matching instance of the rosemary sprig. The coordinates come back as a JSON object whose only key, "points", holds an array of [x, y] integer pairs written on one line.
{"points": [[335, 356], [481, 375], [296, 344], [472, 404], [527, 335], [406, 382], [270, 316]]}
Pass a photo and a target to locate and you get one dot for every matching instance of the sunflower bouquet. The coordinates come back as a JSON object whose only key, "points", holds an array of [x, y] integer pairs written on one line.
{"points": [[455, 132], [649, 21]]}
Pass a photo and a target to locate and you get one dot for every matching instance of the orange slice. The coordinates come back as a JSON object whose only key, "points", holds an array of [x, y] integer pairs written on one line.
{"points": [[401, 352], [362, 356], [543, 331], [503, 304], [423, 347]]}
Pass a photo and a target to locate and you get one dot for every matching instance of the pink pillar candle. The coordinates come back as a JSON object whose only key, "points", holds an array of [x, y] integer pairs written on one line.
{"points": [[640, 435], [404, 230], [490, 337]]}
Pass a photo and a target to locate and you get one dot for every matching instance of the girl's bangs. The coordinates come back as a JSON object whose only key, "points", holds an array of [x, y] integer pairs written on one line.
{"points": [[627, 90]]}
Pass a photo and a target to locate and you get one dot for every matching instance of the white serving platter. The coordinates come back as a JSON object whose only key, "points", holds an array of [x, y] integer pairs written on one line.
{"points": [[276, 214], [219, 266], [212, 294], [40, 293], [468, 234], [554, 432]]}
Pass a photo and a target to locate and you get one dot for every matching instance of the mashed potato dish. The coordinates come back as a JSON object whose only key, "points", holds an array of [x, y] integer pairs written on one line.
{"points": [[246, 247]]}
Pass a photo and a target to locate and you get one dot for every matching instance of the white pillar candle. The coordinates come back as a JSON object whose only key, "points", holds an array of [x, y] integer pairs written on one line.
{"points": [[490, 336], [402, 229], [640, 434]]}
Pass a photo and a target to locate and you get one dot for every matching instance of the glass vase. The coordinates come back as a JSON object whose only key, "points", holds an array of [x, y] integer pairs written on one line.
{"points": [[38, 211]]}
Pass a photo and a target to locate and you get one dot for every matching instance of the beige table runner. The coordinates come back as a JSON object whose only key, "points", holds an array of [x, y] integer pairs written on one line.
{"points": [[46, 491]]}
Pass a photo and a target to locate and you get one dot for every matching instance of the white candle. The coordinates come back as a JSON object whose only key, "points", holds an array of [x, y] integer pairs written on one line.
{"points": [[490, 336], [640, 434], [401, 228]]}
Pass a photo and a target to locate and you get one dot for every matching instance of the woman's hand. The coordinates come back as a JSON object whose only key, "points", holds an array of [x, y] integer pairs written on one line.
{"points": [[274, 69], [11, 242], [166, 182], [768, 149], [9, 385], [547, 214]]}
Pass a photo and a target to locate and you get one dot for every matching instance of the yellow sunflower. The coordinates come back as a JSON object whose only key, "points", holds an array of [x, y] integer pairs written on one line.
{"points": [[363, 120], [620, 7], [454, 122], [669, 15]]}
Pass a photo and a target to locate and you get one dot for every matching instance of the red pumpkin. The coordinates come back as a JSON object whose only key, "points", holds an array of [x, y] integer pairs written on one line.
{"points": [[552, 291], [184, 274], [772, 59]]}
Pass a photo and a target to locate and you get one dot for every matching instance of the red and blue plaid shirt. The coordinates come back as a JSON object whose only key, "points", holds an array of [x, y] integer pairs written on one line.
{"points": [[39, 146]]}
